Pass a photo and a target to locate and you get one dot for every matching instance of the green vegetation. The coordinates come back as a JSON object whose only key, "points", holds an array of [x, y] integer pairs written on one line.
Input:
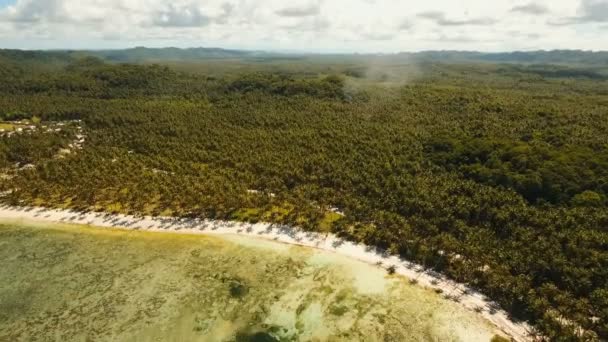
{"points": [[7, 126], [499, 339], [494, 174], [538, 171]]}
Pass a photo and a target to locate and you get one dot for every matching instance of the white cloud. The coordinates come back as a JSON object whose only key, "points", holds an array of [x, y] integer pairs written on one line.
{"points": [[531, 8], [182, 16], [441, 19], [594, 10], [307, 25], [300, 10]]}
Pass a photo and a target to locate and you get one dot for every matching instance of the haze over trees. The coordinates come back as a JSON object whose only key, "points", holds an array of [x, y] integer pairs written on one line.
{"points": [[494, 174]]}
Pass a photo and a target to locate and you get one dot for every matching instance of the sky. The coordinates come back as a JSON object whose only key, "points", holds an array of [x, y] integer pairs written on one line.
{"points": [[325, 26]]}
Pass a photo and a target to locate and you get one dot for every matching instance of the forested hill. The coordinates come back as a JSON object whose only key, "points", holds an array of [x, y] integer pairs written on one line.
{"points": [[575, 57], [142, 54], [494, 174]]}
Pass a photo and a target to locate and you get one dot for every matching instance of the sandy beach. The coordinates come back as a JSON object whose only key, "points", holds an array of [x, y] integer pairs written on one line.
{"points": [[468, 298]]}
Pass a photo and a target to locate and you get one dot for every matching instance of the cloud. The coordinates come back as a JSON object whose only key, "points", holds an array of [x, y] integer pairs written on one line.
{"points": [[456, 39], [305, 25], [405, 25], [531, 8], [594, 10], [525, 35], [316, 24], [186, 16], [377, 36], [228, 10], [32, 11], [590, 11], [306, 10], [440, 19]]}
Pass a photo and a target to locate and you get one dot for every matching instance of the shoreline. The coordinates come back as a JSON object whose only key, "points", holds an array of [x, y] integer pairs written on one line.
{"points": [[468, 298]]}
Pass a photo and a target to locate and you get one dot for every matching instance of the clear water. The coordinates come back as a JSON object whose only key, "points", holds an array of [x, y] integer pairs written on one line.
{"points": [[76, 283]]}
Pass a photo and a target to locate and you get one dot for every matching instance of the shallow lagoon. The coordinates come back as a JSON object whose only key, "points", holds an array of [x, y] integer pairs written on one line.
{"points": [[68, 282]]}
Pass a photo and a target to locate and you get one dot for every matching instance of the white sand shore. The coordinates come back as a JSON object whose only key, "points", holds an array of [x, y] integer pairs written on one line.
{"points": [[468, 298]]}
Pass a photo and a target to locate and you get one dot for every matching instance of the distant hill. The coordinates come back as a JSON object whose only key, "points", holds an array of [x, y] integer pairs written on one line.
{"points": [[134, 55], [528, 57], [143, 54], [140, 54]]}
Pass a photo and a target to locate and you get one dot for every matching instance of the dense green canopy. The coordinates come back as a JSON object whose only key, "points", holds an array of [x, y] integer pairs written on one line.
{"points": [[496, 175]]}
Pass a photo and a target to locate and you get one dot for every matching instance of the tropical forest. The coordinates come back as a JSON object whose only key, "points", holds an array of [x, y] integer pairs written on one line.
{"points": [[491, 169]]}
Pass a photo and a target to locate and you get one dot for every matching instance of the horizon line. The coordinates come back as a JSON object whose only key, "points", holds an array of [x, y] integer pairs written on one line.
{"points": [[301, 52]]}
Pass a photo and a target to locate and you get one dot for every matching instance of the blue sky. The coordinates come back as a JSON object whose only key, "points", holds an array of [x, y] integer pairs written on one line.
{"points": [[307, 25], [4, 3]]}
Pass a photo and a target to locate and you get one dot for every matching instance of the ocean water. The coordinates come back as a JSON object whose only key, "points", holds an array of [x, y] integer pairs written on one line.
{"points": [[78, 283]]}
